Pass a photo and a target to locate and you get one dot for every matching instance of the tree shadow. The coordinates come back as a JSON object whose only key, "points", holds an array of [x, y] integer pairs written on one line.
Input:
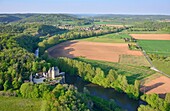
{"points": [[132, 78], [148, 88], [62, 50]]}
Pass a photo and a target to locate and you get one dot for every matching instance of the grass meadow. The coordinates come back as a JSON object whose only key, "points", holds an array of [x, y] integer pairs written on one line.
{"points": [[134, 60], [108, 38], [164, 66], [19, 104]]}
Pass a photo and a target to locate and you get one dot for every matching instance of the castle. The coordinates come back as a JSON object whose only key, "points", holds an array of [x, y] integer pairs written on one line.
{"points": [[53, 75]]}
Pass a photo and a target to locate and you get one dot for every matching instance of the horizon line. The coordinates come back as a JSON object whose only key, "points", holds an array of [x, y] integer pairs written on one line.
{"points": [[83, 13]]}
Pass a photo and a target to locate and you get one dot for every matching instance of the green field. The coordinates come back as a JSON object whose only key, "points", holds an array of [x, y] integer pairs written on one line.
{"points": [[108, 38], [19, 104], [112, 23], [148, 32], [132, 72], [134, 60], [161, 47], [164, 66], [105, 22]]}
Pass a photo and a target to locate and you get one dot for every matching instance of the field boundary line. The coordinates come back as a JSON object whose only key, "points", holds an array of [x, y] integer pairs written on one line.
{"points": [[149, 60]]}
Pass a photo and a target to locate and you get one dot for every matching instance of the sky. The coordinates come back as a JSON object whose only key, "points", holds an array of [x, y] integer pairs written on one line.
{"points": [[86, 6]]}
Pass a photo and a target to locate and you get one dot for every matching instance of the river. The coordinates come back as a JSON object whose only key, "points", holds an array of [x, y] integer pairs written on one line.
{"points": [[121, 99]]}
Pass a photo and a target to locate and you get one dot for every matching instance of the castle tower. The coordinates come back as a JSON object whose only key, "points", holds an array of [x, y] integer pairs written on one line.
{"points": [[53, 72]]}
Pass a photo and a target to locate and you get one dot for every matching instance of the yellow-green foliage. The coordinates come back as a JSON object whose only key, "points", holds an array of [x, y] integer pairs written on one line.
{"points": [[132, 72]]}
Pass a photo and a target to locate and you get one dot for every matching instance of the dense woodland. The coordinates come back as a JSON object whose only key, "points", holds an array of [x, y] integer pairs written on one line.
{"points": [[21, 35], [16, 60]]}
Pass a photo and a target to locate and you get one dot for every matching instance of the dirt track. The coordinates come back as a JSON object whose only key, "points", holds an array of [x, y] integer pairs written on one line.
{"points": [[91, 50], [151, 36], [159, 85]]}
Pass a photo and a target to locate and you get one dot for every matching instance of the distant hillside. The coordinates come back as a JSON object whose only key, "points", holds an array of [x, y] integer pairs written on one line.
{"points": [[129, 19], [48, 19], [7, 18], [141, 17], [81, 19]]}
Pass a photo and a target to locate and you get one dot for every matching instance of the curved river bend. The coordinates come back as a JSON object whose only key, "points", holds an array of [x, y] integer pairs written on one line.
{"points": [[106, 93]]}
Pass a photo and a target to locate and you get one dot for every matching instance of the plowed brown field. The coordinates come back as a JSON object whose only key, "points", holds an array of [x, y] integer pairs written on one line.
{"points": [[159, 85], [91, 50], [151, 36]]}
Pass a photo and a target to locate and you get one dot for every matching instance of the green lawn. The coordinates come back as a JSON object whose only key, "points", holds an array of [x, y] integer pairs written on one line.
{"points": [[132, 72], [19, 104], [161, 47], [108, 38]]}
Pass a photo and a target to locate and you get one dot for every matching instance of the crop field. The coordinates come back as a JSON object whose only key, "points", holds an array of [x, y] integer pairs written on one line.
{"points": [[134, 60], [151, 36], [148, 32], [159, 85], [132, 72], [118, 26], [155, 46], [108, 38], [19, 104], [92, 50]]}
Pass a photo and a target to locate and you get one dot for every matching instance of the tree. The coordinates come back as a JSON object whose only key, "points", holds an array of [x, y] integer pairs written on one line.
{"points": [[16, 83], [1, 84], [44, 69], [155, 102], [146, 108], [167, 97], [34, 92], [43, 88], [137, 84], [6, 85], [90, 73], [25, 90], [35, 67], [99, 77], [110, 78]]}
